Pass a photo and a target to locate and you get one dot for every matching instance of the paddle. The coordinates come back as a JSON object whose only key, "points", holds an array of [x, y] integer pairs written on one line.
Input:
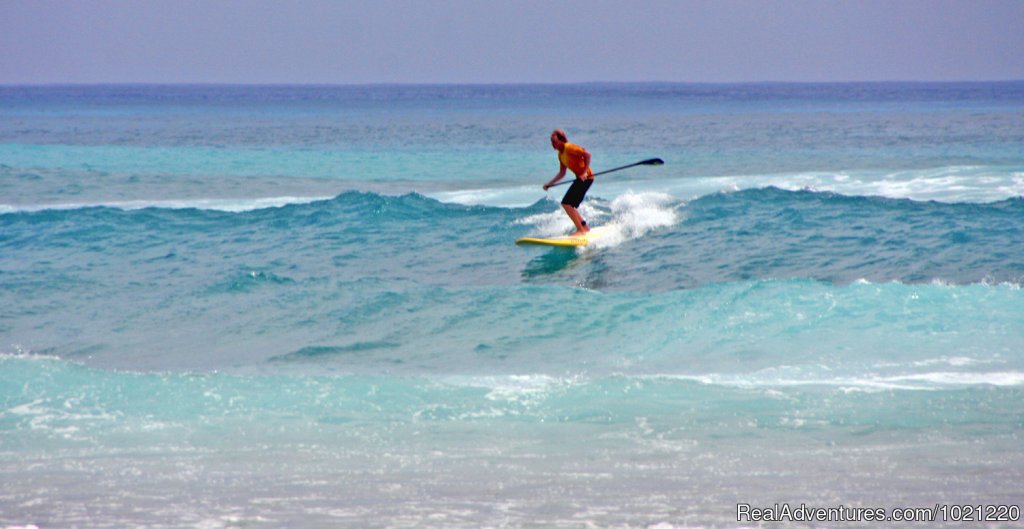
{"points": [[652, 161]]}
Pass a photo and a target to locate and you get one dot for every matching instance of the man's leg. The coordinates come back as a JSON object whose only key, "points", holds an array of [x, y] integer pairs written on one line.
{"points": [[577, 220]]}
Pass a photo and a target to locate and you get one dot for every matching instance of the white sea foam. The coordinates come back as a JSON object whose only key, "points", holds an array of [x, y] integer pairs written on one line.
{"points": [[633, 215], [952, 378], [955, 361], [230, 205], [977, 184], [913, 381], [509, 197], [628, 216], [553, 223], [942, 283], [524, 389], [20, 353], [943, 184]]}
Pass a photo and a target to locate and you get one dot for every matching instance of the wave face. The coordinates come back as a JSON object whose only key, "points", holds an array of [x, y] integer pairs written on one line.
{"points": [[301, 306], [660, 243]]}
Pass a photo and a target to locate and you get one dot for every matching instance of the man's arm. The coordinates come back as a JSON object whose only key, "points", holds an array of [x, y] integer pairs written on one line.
{"points": [[559, 176]]}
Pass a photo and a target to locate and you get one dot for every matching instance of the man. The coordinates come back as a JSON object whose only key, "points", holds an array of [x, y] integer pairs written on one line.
{"points": [[577, 159]]}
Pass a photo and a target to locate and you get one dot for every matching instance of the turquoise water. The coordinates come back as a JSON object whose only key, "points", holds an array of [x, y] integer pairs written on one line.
{"points": [[301, 306]]}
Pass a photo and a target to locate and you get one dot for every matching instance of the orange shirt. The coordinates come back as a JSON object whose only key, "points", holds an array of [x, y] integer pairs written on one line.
{"points": [[572, 157]]}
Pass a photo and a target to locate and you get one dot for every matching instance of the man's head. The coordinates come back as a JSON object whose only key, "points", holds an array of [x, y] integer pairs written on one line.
{"points": [[558, 139]]}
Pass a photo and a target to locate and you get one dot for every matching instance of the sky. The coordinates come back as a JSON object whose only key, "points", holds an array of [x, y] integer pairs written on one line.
{"points": [[510, 41]]}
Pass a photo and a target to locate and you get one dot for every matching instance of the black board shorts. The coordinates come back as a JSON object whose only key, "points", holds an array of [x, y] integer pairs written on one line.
{"points": [[578, 190]]}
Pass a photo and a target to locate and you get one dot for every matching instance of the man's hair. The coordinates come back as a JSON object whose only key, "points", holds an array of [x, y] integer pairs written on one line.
{"points": [[560, 134]]}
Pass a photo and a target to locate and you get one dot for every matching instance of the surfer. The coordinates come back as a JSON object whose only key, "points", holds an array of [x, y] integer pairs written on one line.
{"points": [[576, 158]]}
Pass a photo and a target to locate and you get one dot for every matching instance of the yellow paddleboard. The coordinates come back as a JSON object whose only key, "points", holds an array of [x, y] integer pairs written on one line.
{"points": [[564, 241]]}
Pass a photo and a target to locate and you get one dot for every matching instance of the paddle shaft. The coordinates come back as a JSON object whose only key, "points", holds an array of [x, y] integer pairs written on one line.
{"points": [[652, 161]]}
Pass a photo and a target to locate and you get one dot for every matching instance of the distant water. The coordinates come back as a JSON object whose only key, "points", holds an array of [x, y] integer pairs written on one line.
{"points": [[302, 307]]}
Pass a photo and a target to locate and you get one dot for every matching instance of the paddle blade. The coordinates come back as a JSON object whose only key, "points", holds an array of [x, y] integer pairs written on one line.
{"points": [[652, 161]]}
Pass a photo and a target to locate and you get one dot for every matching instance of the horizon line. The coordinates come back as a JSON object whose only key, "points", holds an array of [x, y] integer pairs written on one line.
{"points": [[483, 84]]}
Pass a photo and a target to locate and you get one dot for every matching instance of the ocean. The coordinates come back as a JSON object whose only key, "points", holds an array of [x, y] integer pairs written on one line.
{"points": [[301, 306]]}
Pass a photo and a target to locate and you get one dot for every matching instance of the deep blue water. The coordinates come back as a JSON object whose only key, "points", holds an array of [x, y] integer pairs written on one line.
{"points": [[301, 306]]}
